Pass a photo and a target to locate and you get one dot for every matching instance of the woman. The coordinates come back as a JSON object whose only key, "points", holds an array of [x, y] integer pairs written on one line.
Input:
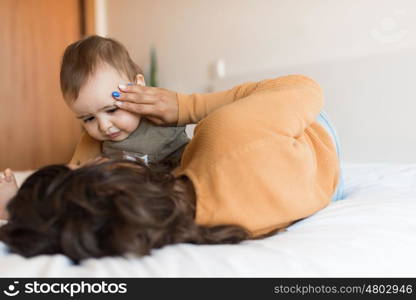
{"points": [[258, 162]]}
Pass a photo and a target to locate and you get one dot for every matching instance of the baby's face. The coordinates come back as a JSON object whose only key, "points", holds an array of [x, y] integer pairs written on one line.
{"points": [[96, 110]]}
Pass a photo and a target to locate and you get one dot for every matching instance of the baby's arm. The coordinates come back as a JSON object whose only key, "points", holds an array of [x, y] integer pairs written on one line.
{"points": [[87, 149]]}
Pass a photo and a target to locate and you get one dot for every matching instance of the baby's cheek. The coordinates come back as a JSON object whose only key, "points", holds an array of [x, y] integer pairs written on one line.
{"points": [[128, 122], [92, 131]]}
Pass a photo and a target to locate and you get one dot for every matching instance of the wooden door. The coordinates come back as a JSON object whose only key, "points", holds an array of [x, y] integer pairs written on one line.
{"points": [[36, 127]]}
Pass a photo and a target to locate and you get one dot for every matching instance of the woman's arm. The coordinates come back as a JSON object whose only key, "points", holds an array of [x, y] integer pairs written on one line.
{"points": [[164, 107], [87, 148], [261, 142], [292, 101]]}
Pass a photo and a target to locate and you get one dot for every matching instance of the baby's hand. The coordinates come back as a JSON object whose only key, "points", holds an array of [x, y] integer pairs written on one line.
{"points": [[158, 105], [8, 188]]}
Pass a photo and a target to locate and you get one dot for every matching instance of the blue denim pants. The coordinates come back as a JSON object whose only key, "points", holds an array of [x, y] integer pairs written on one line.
{"points": [[326, 123]]}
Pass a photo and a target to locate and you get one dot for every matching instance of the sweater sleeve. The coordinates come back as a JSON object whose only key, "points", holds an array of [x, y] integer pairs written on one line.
{"points": [[194, 107], [258, 158]]}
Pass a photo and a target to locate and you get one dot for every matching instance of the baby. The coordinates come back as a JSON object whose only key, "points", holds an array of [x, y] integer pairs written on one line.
{"points": [[92, 69], [91, 72]]}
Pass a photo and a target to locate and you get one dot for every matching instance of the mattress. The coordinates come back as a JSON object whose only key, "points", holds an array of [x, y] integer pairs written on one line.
{"points": [[371, 233]]}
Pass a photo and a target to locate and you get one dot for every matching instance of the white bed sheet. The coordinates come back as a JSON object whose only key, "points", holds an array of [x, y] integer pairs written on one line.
{"points": [[371, 233]]}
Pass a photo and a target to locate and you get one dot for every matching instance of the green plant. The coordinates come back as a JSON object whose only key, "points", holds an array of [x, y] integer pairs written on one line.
{"points": [[153, 68]]}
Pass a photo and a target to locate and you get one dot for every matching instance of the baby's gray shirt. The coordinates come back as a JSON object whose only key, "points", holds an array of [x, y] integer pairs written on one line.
{"points": [[151, 143]]}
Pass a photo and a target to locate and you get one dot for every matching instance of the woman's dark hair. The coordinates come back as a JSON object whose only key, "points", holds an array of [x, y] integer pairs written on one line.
{"points": [[106, 209]]}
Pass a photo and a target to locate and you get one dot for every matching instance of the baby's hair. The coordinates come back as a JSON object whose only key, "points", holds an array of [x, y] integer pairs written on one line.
{"points": [[106, 209], [81, 59]]}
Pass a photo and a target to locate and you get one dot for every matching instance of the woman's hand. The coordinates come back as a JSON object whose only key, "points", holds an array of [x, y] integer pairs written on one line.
{"points": [[158, 105]]}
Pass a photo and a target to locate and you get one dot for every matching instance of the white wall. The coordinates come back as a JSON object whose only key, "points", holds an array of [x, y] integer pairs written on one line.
{"points": [[283, 36]]}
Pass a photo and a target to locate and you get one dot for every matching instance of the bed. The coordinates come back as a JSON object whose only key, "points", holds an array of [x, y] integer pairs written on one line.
{"points": [[371, 233]]}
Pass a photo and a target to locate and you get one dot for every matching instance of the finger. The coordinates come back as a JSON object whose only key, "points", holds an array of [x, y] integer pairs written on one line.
{"points": [[9, 175], [4, 176], [98, 160], [138, 89], [156, 121], [137, 98], [72, 166], [134, 97], [141, 109], [132, 88]]}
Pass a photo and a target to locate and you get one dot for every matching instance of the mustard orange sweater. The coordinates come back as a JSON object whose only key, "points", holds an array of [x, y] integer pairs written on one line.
{"points": [[258, 158]]}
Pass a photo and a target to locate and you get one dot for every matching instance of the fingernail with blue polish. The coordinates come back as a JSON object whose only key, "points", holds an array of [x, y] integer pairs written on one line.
{"points": [[115, 94], [129, 83]]}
